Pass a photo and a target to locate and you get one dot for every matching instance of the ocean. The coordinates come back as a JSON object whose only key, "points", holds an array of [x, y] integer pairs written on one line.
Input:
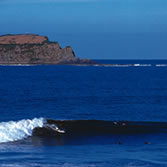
{"points": [[112, 115]]}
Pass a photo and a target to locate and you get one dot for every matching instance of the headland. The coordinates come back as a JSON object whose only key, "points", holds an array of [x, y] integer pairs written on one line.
{"points": [[36, 49]]}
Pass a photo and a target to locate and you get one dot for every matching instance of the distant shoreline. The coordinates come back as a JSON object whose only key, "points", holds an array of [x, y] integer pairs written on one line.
{"points": [[90, 65]]}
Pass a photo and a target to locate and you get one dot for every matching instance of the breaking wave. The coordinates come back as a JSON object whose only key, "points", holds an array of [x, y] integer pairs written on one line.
{"points": [[124, 65], [117, 65], [17, 130]]}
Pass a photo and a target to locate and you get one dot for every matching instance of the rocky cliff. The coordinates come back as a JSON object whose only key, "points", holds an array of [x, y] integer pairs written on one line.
{"points": [[35, 49]]}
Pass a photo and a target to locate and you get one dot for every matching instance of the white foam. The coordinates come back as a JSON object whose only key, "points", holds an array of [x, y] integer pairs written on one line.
{"points": [[123, 65], [18, 65], [142, 65], [161, 65], [113, 65], [13, 131]]}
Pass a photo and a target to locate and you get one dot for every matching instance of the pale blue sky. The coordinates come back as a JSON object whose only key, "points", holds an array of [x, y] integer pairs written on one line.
{"points": [[97, 29]]}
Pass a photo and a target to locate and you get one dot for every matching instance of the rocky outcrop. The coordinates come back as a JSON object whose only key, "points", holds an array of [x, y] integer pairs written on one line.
{"points": [[35, 49]]}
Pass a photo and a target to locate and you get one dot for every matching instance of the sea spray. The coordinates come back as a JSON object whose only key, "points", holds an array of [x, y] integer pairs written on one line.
{"points": [[17, 130]]}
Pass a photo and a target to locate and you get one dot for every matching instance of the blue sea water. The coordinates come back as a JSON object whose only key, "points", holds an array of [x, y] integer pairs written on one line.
{"points": [[130, 90]]}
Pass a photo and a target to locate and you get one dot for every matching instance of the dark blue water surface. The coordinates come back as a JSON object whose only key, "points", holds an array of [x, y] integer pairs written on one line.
{"points": [[133, 93]]}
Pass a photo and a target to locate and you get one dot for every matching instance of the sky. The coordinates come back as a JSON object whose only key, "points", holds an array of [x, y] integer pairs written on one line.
{"points": [[95, 29]]}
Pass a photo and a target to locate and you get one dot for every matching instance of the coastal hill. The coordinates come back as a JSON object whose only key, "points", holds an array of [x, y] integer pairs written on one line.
{"points": [[35, 49], [22, 39]]}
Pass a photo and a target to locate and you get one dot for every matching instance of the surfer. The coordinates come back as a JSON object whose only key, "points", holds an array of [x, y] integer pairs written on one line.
{"points": [[54, 128]]}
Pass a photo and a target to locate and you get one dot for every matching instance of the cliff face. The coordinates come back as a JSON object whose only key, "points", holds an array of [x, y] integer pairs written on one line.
{"points": [[35, 49]]}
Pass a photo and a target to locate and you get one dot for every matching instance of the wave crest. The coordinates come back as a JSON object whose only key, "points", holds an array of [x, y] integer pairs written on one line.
{"points": [[17, 130]]}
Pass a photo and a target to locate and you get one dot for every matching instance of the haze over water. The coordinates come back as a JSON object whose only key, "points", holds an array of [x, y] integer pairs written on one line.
{"points": [[96, 29]]}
